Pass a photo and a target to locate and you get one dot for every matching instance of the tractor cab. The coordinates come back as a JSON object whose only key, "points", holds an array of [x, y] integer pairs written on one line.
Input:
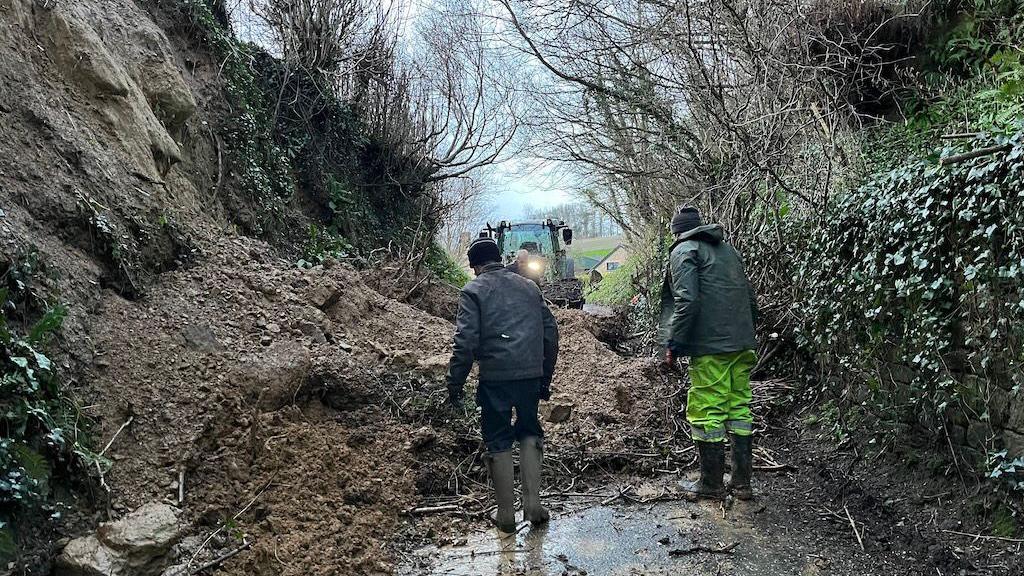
{"points": [[547, 261]]}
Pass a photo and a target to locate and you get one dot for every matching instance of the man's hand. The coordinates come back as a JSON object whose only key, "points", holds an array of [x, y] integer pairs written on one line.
{"points": [[670, 357], [545, 389], [671, 354], [455, 397]]}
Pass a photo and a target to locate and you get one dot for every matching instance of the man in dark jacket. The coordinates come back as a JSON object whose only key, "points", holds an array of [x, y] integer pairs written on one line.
{"points": [[708, 311], [504, 325]]}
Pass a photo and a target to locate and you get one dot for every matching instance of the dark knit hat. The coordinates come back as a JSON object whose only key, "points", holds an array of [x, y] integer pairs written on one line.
{"points": [[483, 251], [687, 218]]}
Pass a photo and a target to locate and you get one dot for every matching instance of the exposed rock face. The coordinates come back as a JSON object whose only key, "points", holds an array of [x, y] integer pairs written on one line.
{"points": [[137, 88], [136, 545]]}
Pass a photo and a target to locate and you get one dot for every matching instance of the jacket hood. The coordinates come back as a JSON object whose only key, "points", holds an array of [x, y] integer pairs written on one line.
{"points": [[712, 233]]}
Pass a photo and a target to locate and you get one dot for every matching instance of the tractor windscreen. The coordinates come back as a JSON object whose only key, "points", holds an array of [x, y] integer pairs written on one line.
{"points": [[534, 238]]}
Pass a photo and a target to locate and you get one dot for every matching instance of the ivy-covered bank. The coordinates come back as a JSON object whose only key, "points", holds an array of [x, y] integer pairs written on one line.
{"points": [[909, 289], [42, 432], [915, 290]]}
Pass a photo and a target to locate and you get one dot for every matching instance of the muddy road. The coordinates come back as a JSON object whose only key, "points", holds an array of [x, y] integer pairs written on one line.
{"points": [[302, 414]]}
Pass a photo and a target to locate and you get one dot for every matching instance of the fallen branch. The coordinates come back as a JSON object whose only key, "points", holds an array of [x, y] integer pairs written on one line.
{"points": [[985, 537], [957, 158], [116, 434], [425, 510], [854, 526], [221, 559], [700, 548], [959, 135], [773, 468]]}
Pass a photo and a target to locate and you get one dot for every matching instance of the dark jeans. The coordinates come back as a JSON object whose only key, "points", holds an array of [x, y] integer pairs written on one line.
{"points": [[496, 400]]}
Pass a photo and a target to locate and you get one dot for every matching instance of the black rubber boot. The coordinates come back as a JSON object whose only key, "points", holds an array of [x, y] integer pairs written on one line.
{"points": [[503, 479], [712, 469], [742, 464], [531, 455]]}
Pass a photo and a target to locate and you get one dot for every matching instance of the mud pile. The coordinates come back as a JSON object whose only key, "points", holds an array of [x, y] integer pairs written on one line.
{"points": [[267, 385]]}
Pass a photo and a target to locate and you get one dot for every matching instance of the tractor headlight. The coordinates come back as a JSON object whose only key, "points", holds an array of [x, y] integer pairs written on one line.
{"points": [[534, 265]]}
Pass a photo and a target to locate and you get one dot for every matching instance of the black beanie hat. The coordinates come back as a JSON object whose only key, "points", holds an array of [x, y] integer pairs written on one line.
{"points": [[483, 251], [687, 218]]}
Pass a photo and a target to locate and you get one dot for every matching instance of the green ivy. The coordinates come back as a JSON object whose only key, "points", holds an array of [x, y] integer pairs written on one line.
{"points": [[922, 269], [445, 267], [255, 159], [39, 428]]}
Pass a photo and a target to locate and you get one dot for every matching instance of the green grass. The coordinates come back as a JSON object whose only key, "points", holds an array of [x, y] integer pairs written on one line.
{"points": [[586, 246], [616, 287], [597, 254]]}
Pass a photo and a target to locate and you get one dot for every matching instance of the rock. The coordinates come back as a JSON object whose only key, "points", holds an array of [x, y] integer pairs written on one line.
{"points": [[135, 545], [311, 331], [623, 399], [436, 365], [279, 375], [88, 557], [1014, 444], [422, 439], [1015, 413], [200, 337], [147, 532], [405, 358], [559, 412], [324, 294]]}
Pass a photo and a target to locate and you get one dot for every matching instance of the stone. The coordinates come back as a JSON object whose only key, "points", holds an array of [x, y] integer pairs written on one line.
{"points": [[623, 399], [147, 532], [1014, 444], [324, 294], [436, 365], [422, 439], [200, 337], [978, 434], [1015, 413], [279, 375], [87, 556], [559, 412], [135, 545]]}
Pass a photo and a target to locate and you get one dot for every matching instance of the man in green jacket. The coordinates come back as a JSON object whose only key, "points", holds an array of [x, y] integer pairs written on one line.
{"points": [[708, 311]]}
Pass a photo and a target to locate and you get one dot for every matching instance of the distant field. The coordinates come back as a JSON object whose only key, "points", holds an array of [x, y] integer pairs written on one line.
{"points": [[592, 246]]}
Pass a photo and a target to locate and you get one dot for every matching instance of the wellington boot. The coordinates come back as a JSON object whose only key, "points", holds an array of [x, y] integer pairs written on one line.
{"points": [[503, 479], [531, 454], [712, 468], [742, 464]]}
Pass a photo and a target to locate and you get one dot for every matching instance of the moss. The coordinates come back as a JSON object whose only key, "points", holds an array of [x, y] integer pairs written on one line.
{"points": [[1004, 522]]}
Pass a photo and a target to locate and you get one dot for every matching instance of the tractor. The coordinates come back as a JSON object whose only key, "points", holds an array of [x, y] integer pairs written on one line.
{"points": [[547, 263]]}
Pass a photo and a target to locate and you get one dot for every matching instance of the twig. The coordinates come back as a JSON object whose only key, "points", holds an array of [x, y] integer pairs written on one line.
{"points": [[611, 498], [956, 158], [986, 537], [224, 525], [116, 434], [221, 559], [854, 526], [959, 135], [181, 485], [424, 510], [700, 548]]}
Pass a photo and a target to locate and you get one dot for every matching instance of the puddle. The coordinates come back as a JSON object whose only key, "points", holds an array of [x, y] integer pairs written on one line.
{"points": [[624, 541], [598, 309]]}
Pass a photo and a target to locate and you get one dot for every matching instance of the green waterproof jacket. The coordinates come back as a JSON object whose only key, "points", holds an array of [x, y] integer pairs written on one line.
{"points": [[707, 303]]}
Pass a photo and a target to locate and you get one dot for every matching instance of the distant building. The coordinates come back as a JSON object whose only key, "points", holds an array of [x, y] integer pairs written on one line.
{"points": [[613, 261], [586, 263]]}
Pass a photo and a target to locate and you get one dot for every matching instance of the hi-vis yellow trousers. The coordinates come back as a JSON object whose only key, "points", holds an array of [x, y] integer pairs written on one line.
{"points": [[719, 397]]}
